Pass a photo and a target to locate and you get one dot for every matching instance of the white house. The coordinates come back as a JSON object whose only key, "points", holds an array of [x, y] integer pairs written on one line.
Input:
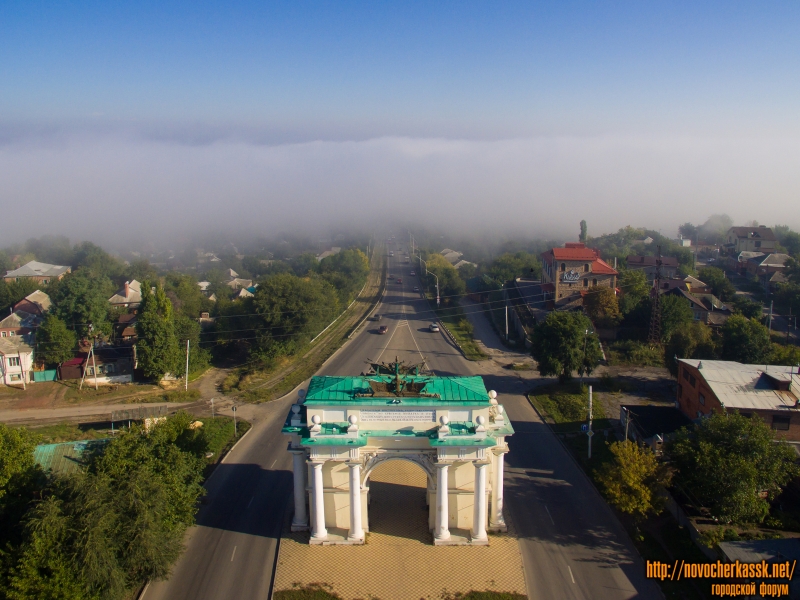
{"points": [[16, 361]]}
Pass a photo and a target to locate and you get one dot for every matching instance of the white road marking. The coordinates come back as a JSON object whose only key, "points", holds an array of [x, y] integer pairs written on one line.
{"points": [[570, 574], [251, 501], [549, 515], [273, 463], [234, 554]]}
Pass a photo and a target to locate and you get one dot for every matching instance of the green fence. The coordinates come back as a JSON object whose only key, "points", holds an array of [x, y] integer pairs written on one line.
{"points": [[49, 375]]}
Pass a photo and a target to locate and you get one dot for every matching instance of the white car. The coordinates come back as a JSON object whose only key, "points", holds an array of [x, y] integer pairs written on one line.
{"points": [[416, 289], [412, 273], [434, 328]]}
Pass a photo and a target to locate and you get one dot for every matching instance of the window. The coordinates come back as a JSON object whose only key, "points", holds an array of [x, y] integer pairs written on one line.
{"points": [[13, 361], [90, 371], [781, 423], [586, 268], [16, 377], [692, 380], [680, 391], [4, 334], [563, 267], [746, 415], [10, 333], [702, 399], [758, 245], [686, 375], [594, 282], [109, 369], [585, 283]]}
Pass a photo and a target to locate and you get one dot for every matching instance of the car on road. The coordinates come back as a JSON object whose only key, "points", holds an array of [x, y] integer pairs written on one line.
{"points": [[399, 280], [383, 329], [416, 289], [412, 273], [434, 328], [376, 317]]}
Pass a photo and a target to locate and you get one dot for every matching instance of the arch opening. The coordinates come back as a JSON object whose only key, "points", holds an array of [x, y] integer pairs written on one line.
{"points": [[397, 502]]}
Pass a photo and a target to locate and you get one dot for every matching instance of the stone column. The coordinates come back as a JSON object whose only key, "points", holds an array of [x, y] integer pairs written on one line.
{"points": [[441, 531], [496, 520], [318, 531], [479, 513], [300, 519], [356, 531]]}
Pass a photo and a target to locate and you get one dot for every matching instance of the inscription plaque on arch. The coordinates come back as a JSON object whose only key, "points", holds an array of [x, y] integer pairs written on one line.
{"points": [[382, 416]]}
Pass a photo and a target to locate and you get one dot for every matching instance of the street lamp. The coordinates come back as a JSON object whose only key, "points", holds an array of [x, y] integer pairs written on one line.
{"points": [[585, 337]]}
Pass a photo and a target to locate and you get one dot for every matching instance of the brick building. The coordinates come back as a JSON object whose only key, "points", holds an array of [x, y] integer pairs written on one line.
{"points": [[39, 272], [574, 269], [769, 392]]}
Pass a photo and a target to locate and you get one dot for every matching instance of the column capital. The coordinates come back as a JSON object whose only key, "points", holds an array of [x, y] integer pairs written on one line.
{"points": [[441, 465], [481, 463], [316, 461], [498, 451], [353, 463]]}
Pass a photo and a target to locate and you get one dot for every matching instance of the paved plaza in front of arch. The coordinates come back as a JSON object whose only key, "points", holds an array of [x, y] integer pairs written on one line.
{"points": [[399, 560]]}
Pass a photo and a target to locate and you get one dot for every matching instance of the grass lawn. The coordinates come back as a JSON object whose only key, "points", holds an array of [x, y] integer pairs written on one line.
{"points": [[566, 407], [73, 395], [321, 591], [219, 433], [68, 432]]}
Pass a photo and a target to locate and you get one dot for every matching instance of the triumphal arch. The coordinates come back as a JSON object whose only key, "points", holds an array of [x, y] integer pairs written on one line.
{"points": [[452, 427]]}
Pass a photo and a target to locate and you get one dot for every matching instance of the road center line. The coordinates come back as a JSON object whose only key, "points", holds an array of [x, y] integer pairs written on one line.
{"points": [[273, 463], [568, 568], [251, 501], [551, 518], [234, 554]]}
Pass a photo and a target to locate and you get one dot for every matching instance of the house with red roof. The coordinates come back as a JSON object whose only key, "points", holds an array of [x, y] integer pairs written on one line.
{"points": [[575, 270]]}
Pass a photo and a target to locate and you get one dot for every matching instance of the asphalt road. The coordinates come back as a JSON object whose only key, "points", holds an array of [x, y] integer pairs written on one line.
{"points": [[572, 545]]}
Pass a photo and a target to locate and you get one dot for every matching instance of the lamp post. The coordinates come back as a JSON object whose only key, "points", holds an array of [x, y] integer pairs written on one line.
{"points": [[585, 337]]}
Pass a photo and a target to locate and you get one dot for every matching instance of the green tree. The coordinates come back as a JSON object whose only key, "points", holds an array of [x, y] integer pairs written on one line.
{"points": [[602, 307], [747, 307], [54, 342], [561, 345], [509, 266], [689, 340], [346, 271], [745, 340], [728, 460], [451, 286], [633, 480], [635, 288], [100, 532], [720, 285], [185, 295], [97, 260], [584, 232], [291, 311], [81, 299], [784, 355], [304, 264], [788, 239], [13, 291], [157, 347], [675, 311], [189, 329], [688, 231]]}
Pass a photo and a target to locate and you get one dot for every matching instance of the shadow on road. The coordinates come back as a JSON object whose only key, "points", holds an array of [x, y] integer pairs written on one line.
{"points": [[247, 499]]}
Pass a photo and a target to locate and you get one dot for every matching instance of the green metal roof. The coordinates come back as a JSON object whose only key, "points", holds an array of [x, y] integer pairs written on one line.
{"points": [[66, 457], [436, 390]]}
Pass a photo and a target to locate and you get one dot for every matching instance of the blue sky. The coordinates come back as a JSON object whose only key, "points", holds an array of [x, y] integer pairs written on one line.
{"points": [[273, 74]]}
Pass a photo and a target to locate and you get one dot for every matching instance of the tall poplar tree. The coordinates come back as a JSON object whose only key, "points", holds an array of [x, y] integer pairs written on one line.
{"points": [[157, 347]]}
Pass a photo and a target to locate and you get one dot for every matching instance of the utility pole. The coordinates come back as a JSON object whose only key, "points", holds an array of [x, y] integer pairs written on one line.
{"points": [[590, 433], [212, 408], [654, 338], [585, 337], [94, 367], [771, 302], [233, 409], [627, 422], [186, 378]]}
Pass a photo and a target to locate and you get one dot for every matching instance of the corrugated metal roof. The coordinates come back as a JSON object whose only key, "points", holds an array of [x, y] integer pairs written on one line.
{"points": [[66, 457], [737, 385]]}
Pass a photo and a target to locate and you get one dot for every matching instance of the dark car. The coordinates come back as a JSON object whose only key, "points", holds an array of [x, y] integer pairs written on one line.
{"points": [[399, 280], [383, 329]]}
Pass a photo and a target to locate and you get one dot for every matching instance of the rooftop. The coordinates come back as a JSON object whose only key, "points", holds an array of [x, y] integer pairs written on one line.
{"points": [[417, 390], [14, 345], [753, 233], [574, 251], [754, 387], [38, 269]]}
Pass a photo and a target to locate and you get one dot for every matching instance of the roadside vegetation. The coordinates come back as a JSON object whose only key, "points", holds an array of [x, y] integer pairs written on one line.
{"points": [[104, 530]]}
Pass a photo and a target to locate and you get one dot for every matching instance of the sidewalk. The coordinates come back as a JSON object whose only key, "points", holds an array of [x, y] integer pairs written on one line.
{"points": [[487, 339]]}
